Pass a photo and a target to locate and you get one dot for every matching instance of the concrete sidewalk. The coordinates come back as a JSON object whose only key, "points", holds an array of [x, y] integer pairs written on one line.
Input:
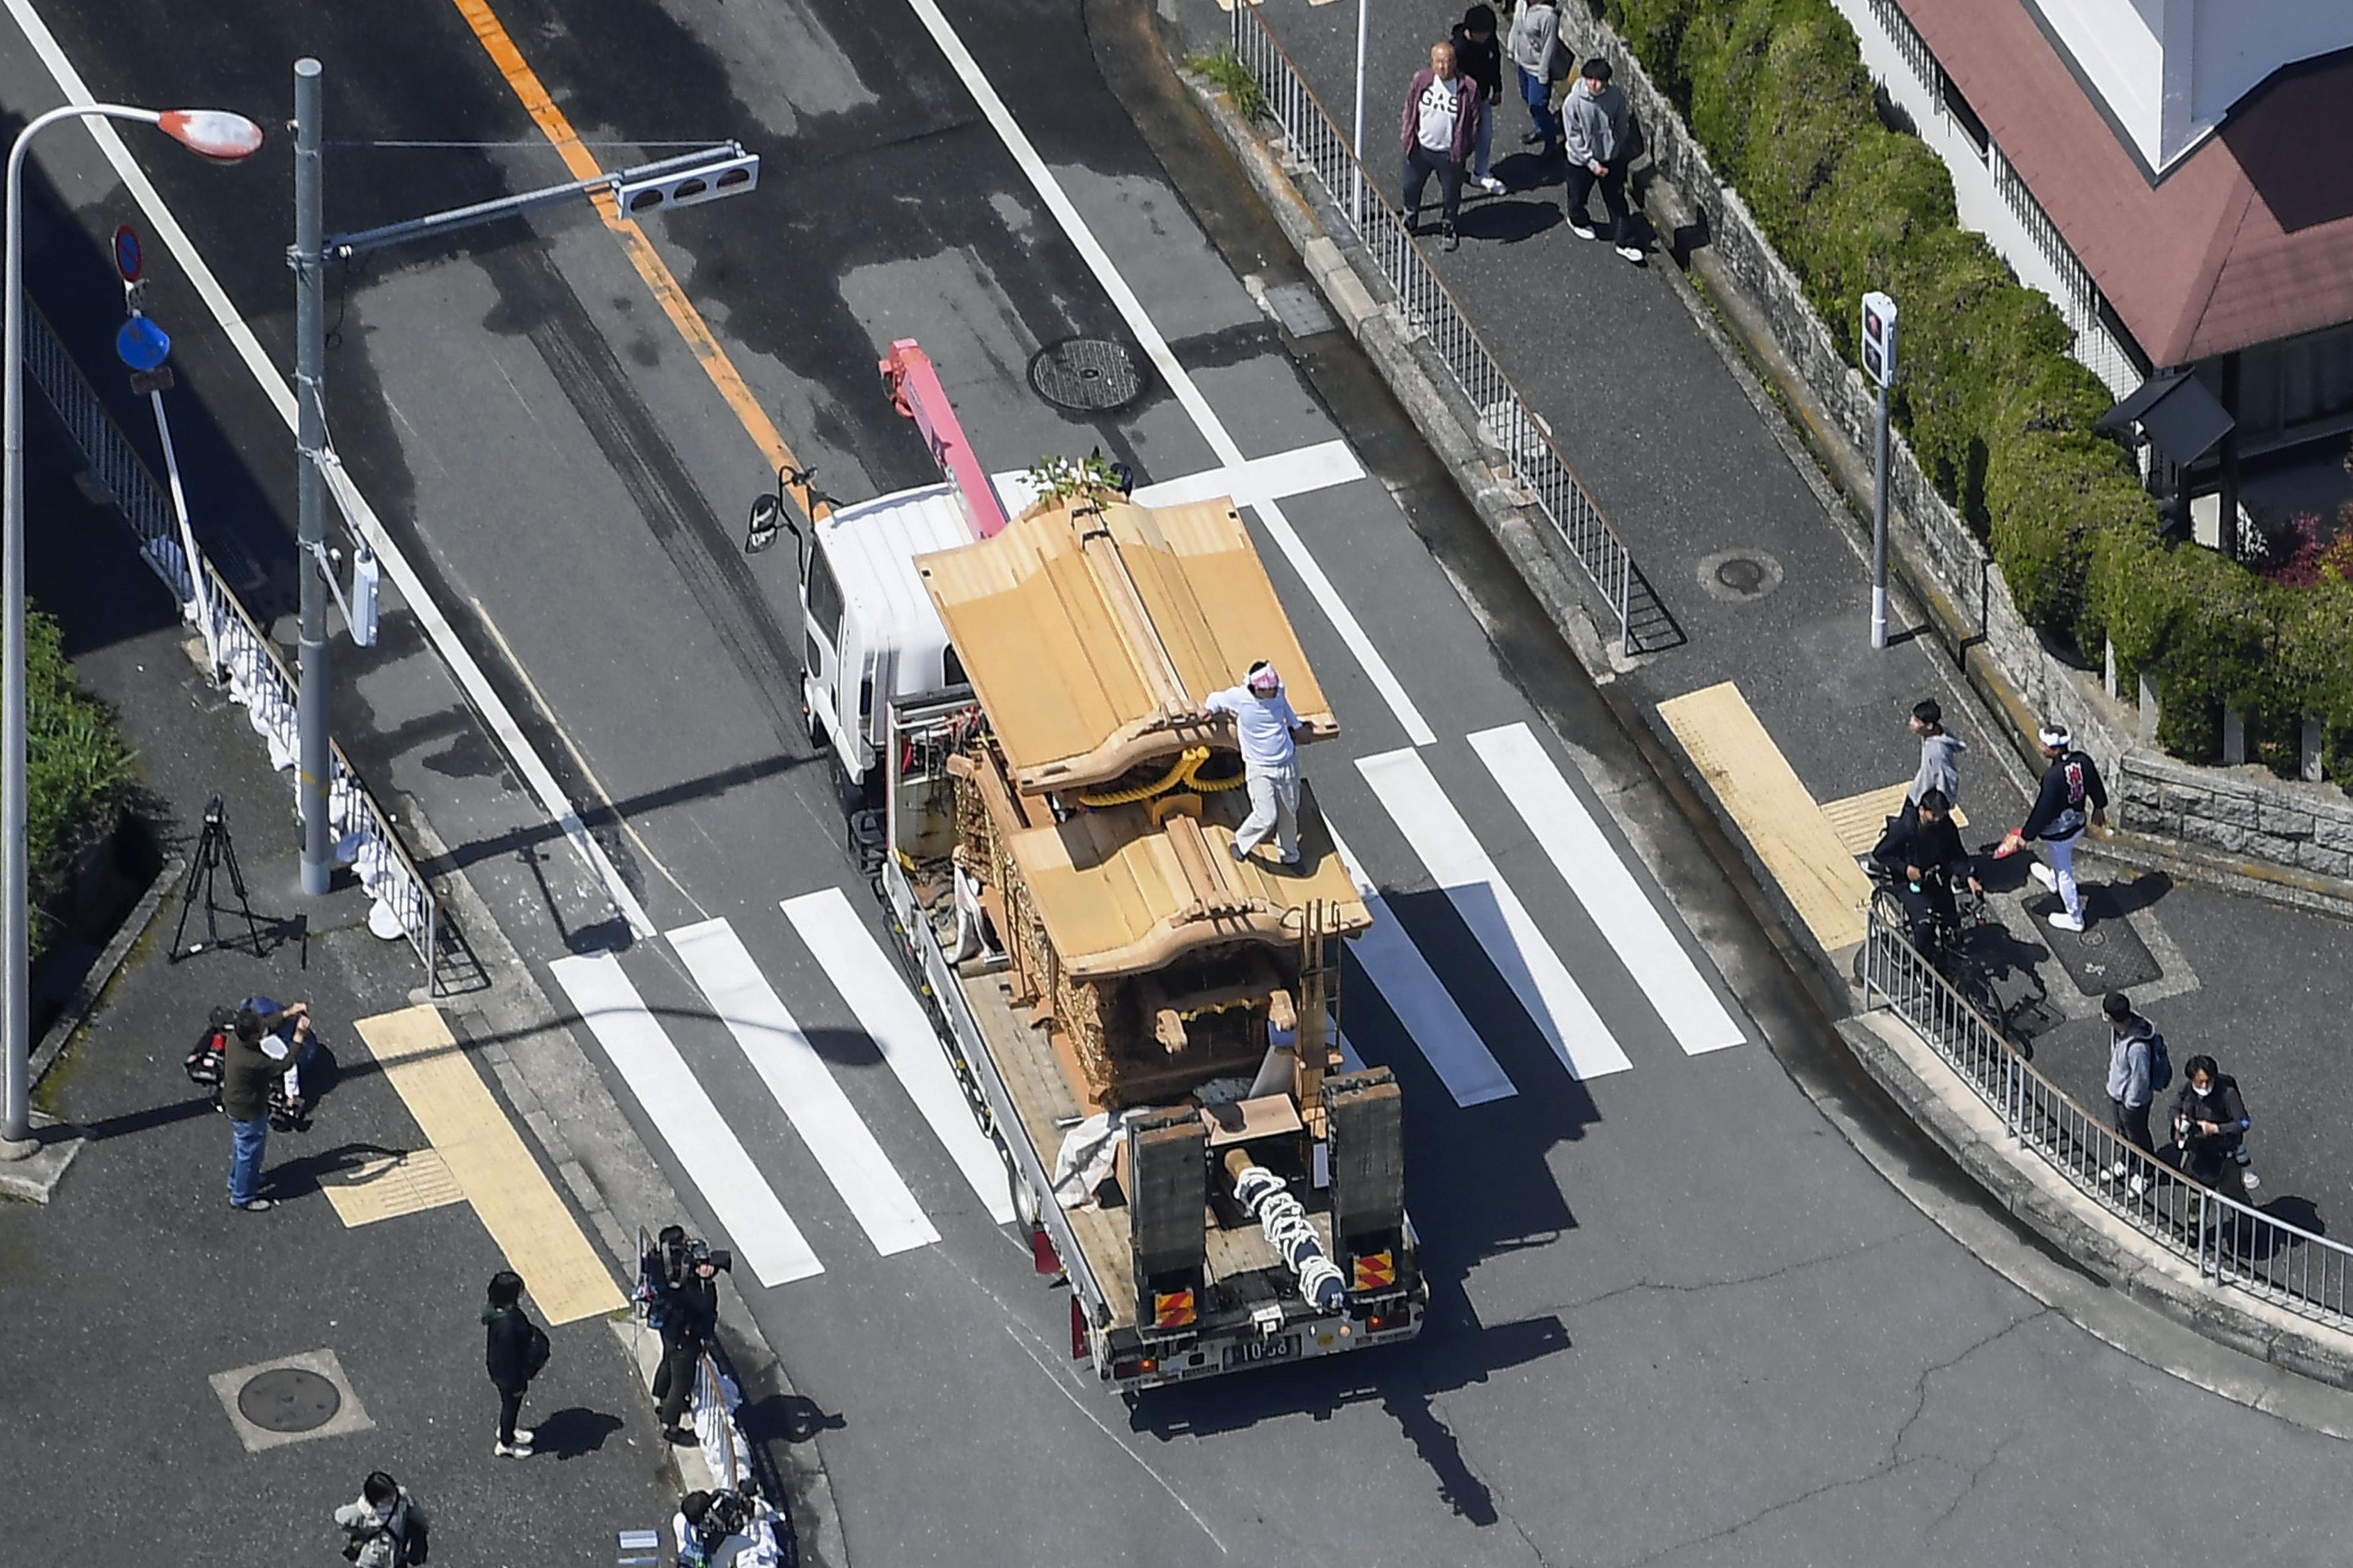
{"points": [[140, 1305], [1762, 565]]}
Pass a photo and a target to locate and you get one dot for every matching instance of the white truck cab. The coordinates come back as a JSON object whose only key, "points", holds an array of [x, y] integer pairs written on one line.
{"points": [[871, 633]]}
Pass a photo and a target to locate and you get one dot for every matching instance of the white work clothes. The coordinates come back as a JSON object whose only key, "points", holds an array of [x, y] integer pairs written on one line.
{"points": [[1261, 724], [1274, 806]]}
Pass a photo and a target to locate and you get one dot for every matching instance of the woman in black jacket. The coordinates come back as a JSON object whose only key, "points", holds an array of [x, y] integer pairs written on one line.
{"points": [[515, 1349], [2210, 1124]]}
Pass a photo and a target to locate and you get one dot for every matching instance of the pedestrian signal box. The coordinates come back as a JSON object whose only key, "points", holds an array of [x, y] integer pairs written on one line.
{"points": [[1878, 338]]}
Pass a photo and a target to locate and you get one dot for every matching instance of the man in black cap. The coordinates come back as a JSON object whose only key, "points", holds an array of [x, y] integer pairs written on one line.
{"points": [[2072, 798], [1480, 57], [1925, 852]]}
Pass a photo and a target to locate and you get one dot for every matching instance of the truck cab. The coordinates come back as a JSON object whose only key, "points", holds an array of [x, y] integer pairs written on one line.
{"points": [[870, 635]]}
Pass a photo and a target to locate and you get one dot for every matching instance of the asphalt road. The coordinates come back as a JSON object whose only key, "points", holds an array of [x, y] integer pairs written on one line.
{"points": [[1677, 1317]]}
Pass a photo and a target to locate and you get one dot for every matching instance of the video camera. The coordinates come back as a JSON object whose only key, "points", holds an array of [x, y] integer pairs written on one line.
{"points": [[675, 1256]]}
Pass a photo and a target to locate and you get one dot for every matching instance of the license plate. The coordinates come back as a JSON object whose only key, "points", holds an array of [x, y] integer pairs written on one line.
{"points": [[1280, 1347]]}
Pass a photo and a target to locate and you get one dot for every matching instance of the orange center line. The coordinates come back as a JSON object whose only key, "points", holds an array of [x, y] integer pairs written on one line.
{"points": [[658, 279]]}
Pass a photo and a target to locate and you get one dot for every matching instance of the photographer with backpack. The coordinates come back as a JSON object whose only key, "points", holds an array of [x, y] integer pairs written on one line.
{"points": [[679, 1285], [2209, 1125], [384, 1528], [514, 1352]]}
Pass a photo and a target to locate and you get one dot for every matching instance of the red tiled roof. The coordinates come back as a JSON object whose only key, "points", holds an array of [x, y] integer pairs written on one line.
{"points": [[2247, 239]]}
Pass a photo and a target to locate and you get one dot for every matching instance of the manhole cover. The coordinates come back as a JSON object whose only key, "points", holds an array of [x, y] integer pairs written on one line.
{"points": [[1739, 574], [288, 1399], [1091, 375]]}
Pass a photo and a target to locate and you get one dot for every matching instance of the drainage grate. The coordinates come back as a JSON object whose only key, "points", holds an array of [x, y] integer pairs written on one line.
{"points": [[1087, 375], [288, 1399], [1301, 310]]}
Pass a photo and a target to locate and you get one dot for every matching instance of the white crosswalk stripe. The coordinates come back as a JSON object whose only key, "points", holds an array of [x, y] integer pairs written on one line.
{"points": [[762, 1235], [797, 1076], [867, 978], [1452, 856], [1420, 1000], [1586, 862]]}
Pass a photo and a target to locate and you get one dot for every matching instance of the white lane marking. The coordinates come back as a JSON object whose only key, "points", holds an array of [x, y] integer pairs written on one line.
{"points": [[1494, 914], [762, 1233], [797, 1076], [356, 511], [1156, 347], [1419, 999], [1605, 887], [865, 978], [1297, 472]]}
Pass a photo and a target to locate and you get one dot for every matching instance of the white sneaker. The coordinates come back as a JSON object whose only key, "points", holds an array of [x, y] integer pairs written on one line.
{"points": [[2249, 1180], [525, 1437], [2136, 1186], [2065, 921], [2044, 874], [512, 1450], [1492, 185], [2115, 1173], [1631, 252], [1582, 232]]}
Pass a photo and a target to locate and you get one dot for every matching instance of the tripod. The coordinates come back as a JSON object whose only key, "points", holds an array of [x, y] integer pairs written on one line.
{"points": [[214, 850]]}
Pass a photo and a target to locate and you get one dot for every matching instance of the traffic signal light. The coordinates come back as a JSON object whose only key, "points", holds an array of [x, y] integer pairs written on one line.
{"points": [[1878, 338], [725, 175]]}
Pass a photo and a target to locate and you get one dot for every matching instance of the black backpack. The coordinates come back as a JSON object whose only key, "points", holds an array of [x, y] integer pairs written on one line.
{"points": [[204, 1063]]}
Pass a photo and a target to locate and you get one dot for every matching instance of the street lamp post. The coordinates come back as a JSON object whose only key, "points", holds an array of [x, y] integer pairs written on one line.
{"points": [[224, 138]]}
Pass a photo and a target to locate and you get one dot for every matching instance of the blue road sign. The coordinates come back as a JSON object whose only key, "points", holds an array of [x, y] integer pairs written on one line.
{"points": [[141, 344], [126, 253]]}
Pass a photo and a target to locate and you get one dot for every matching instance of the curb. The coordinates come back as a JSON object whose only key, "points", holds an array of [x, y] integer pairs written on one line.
{"points": [[507, 1045], [2030, 1192]]}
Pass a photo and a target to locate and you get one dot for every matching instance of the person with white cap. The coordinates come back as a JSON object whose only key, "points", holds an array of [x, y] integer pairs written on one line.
{"points": [[1263, 727], [2072, 798]]}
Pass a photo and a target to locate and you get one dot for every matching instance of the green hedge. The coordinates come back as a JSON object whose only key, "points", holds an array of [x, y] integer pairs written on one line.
{"points": [[1999, 415], [77, 768]]}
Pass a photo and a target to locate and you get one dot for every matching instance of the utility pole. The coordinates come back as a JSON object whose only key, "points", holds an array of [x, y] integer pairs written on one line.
{"points": [[1879, 364], [313, 765]]}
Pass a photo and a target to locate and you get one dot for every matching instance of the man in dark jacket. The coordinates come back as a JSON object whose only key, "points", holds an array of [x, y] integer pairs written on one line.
{"points": [[247, 1073], [2210, 1124], [515, 1349], [2072, 798], [1924, 852], [690, 1315], [1440, 127], [1478, 54]]}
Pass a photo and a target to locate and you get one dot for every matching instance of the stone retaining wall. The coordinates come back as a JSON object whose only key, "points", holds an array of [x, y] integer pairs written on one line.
{"points": [[2303, 829]]}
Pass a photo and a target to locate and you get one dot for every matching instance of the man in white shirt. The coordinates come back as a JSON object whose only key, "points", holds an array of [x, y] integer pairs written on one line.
{"points": [[1263, 723], [1443, 112]]}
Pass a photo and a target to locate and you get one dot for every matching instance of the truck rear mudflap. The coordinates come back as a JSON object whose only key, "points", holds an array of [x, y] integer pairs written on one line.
{"points": [[1273, 1336]]}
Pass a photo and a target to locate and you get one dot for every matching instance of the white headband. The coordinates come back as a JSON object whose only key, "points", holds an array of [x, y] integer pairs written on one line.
{"points": [[2056, 735]]}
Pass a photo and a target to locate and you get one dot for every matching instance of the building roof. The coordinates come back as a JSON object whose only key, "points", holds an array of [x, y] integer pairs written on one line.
{"points": [[2247, 239], [1092, 636]]}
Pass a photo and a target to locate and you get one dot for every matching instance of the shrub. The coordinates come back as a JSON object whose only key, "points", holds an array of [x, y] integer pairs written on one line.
{"points": [[77, 771]]}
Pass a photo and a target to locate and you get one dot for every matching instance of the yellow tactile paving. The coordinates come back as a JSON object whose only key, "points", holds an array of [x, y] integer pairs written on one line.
{"points": [[1798, 844], [1860, 819], [488, 1162], [391, 1185]]}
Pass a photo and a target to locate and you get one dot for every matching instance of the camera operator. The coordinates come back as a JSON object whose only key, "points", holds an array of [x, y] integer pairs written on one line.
{"points": [[683, 1275], [715, 1529], [1924, 852]]}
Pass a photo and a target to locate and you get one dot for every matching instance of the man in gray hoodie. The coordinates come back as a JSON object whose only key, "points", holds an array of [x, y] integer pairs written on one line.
{"points": [[2132, 1069], [1941, 757], [1599, 131]]}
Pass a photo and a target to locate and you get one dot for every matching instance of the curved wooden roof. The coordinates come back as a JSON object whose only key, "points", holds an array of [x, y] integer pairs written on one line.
{"points": [[1092, 634]]}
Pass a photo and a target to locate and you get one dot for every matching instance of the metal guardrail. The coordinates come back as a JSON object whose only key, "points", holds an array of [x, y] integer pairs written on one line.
{"points": [[248, 663], [2232, 1243], [1313, 140]]}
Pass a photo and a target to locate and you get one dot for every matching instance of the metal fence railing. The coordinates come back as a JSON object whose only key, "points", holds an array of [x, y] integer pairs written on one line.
{"points": [[1314, 141], [247, 662], [2231, 1243]]}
